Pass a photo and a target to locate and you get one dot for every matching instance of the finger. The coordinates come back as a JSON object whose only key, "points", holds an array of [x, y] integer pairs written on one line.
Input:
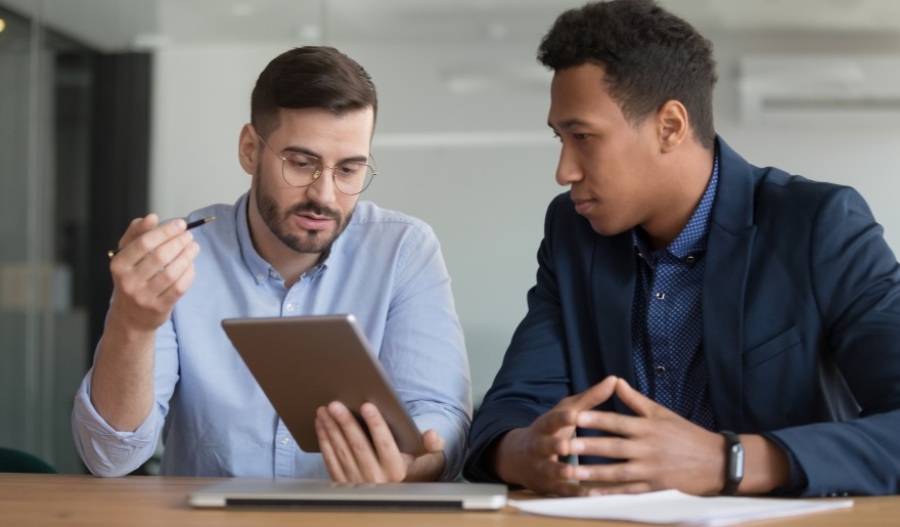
{"points": [[137, 227], [160, 291], [170, 280], [328, 454], [608, 447], [555, 420], [434, 443], [389, 457], [552, 470], [624, 472], [179, 287], [339, 446], [141, 241], [611, 422], [594, 395], [640, 404], [358, 442], [161, 255]]}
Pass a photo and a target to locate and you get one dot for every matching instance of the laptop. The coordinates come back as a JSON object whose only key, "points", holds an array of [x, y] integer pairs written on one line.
{"points": [[325, 495], [303, 363]]}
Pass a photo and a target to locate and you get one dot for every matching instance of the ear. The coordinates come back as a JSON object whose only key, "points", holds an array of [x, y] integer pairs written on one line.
{"points": [[248, 149], [673, 125]]}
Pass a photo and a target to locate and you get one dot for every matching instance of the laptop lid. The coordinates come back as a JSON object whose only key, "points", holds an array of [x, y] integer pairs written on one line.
{"points": [[302, 363], [313, 494]]}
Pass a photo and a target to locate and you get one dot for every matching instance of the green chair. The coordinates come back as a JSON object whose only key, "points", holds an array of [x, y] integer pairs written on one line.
{"points": [[12, 460]]}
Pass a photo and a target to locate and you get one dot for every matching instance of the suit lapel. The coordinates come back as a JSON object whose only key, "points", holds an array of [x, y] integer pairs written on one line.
{"points": [[729, 249], [612, 277]]}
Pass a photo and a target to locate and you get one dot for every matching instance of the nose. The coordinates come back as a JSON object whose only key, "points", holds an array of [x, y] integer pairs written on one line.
{"points": [[567, 171], [322, 191]]}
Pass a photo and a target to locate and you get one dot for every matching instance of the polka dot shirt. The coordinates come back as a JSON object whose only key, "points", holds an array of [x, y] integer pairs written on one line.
{"points": [[667, 318]]}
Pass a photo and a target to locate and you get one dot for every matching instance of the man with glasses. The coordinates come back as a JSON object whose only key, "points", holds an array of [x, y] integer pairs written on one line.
{"points": [[299, 242]]}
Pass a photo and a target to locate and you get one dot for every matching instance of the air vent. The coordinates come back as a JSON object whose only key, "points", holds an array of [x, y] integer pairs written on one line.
{"points": [[798, 88]]}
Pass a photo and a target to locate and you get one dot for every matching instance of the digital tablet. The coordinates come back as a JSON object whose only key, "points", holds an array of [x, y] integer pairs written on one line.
{"points": [[302, 363]]}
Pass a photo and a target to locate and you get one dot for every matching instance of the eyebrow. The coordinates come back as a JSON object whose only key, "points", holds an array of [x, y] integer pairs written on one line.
{"points": [[569, 123], [305, 151]]}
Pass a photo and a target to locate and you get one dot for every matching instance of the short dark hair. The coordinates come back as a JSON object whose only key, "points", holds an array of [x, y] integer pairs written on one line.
{"points": [[310, 77], [649, 57]]}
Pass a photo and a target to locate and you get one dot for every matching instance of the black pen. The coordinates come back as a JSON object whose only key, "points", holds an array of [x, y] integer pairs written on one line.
{"points": [[191, 225]]}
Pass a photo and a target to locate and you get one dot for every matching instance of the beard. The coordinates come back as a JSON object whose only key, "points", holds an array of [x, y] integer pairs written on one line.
{"points": [[316, 242]]}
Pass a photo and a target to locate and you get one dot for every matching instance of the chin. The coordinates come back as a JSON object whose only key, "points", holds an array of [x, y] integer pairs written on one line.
{"points": [[606, 229]]}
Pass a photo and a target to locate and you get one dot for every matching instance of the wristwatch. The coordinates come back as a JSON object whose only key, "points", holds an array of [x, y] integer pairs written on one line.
{"points": [[734, 462]]}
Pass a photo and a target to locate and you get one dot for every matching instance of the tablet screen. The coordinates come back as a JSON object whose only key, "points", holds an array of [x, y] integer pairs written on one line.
{"points": [[302, 363]]}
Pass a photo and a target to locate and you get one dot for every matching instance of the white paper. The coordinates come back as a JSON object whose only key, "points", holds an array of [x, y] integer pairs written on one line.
{"points": [[672, 506]]}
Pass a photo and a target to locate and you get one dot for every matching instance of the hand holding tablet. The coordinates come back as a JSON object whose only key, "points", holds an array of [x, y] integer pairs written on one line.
{"points": [[303, 363]]}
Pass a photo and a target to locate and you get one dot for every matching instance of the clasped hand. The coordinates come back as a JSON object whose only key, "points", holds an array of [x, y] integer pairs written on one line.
{"points": [[351, 457], [653, 450]]}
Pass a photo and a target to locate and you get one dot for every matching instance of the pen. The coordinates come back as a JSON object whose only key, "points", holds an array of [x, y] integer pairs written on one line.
{"points": [[191, 225]]}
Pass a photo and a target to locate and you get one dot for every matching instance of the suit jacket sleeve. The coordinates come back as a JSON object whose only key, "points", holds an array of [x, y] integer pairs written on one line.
{"points": [[534, 375], [856, 286]]}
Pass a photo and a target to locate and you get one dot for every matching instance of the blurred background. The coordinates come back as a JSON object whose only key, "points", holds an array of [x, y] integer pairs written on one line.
{"points": [[110, 109]]}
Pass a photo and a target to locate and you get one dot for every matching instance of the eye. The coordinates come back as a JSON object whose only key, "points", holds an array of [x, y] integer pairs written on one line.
{"points": [[349, 170], [301, 162], [580, 137]]}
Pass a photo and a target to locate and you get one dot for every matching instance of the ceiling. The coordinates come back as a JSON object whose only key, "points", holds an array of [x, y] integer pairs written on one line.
{"points": [[142, 24]]}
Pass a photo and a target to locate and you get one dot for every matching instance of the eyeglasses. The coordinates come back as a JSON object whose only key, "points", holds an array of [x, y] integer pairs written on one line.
{"points": [[302, 170]]}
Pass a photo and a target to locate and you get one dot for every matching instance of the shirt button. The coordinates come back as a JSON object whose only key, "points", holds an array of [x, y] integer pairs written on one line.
{"points": [[660, 370], [289, 307], [690, 259], [660, 295], [260, 277], [285, 440]]}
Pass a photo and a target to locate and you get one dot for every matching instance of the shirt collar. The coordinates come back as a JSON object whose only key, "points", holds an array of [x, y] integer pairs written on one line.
{"points": [[256, 264], [692, 239]]}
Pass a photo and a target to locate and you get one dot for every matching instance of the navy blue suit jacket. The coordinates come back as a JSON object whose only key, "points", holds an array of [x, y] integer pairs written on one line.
{"points": [[801, 327]]}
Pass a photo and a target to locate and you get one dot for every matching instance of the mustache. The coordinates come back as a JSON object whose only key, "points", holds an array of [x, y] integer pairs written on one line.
{"points": [[314, 209]]}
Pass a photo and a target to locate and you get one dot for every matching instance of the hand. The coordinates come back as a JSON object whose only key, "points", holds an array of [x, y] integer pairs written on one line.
{"points": [[352, 458], [152, 270], [530, 456], [659, 449]]}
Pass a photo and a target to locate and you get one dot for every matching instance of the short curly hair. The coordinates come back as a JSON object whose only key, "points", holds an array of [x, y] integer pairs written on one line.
{"points": [[649, 56]]}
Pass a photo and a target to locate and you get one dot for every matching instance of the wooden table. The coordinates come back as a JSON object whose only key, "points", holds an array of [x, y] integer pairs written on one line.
{"points": [[48, 500]]}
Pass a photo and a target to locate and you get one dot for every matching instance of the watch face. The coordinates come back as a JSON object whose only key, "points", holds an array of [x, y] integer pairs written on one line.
{"points": [[734, 462]]}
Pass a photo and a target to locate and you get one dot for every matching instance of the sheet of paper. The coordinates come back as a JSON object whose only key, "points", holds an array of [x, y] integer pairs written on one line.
{"points": [[672, 506]]}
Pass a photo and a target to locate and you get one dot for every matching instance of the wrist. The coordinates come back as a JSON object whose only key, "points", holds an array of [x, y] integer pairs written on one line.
{"points": [[505, 450]]}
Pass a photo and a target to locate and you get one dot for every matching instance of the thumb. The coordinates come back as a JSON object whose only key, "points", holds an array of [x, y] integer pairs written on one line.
{"points": [[434, 443]]}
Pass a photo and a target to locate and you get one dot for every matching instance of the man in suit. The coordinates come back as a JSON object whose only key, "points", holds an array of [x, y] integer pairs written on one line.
{"points": [[698, 323]]}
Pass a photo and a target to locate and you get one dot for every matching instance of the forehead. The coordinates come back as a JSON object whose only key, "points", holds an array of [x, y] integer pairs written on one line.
{"points": [[322, 129], [580, 93]]}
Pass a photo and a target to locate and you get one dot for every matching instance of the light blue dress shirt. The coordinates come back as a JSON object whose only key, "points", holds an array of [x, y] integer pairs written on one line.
{"points": [[386, 268]]}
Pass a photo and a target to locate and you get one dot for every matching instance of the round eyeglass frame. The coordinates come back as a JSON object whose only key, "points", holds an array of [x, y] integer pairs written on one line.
{"points": [[320, 169]]}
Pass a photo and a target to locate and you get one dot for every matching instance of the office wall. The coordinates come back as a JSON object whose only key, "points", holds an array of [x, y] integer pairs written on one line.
{"points": [[476, 159]]}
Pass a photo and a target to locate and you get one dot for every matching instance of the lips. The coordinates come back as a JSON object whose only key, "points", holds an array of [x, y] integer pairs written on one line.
{"points": [[582, 206], [314, 222]]}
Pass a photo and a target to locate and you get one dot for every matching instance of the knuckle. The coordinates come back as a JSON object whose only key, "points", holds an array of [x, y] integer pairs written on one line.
{"points": [[622, 472]]}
